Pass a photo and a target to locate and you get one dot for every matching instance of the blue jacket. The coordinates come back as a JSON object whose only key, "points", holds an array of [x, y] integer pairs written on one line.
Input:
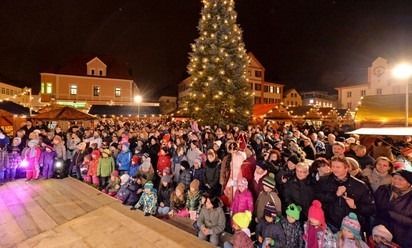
{"points": [[133, 170], [123, 160]]}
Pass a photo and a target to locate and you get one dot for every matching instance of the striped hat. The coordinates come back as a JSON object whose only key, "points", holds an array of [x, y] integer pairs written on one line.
{"points": [[351, 224], [270, 210], [269, 181]]}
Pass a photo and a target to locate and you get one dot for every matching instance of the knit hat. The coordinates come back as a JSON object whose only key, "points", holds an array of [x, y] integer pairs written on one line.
{"points": [[16, 141], [96, 153], [107, 151], [262, 164], [270, 210], [33, 143], [148, 185], [316, 212], [293, 211], [195, 184], [407, 175], [197, 160], [269, 181], [115, 173], [351, 223], [124, 178], [242, 219], [294, 159], [242, 182], [382, 231], [146, 155], [146, 164]]}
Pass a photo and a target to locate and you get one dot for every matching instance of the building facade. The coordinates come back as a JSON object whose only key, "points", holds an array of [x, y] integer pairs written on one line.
{"points": [[380, 82], [9, 92], [292, 98], [264, 92], [89, 81], [319, 99]]}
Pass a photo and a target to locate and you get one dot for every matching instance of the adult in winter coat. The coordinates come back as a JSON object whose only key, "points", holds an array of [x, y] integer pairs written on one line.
{"points": [[299, 190], [212, 172], [249, 165], [341, 194], [193, 152], [14, 159], [178, 157], [123, 159], [394, 207], [77, 160], [257, 184], [380, 174], [211, 221], [4, 160]]}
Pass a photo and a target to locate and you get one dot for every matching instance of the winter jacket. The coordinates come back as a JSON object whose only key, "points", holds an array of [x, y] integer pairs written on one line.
{"points": [[164, 195], [185, 178], [148, 202], [300, 192], [336, 207], [14, 157], [77, 158], [123, 160], [241, 240], [248, 168], [242, 201], [177, 204], [285, 173], [271, 230], [263, 199], [293, 233], [192, 155], [105, 167], [193, 201], [93, 165], [365, 161], [213, 219], [60, 151], [4, 159], [325, 238], [176, 166], [133, 170], [199, 174], [47, 158], [395, 214], [212, 172], [256, 187], [163, 162], [375, 179]]}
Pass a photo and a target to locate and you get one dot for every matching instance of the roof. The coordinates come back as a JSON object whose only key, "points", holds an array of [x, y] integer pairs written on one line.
{"points": [[254, 59], [383, 109], [261, 109], [78, 66], [123, 110], [278, 113], [64, 114], [14, 108]]}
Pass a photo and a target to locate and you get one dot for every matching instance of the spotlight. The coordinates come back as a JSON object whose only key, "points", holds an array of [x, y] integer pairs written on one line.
{"points": [[59, 169], [24, 163]]}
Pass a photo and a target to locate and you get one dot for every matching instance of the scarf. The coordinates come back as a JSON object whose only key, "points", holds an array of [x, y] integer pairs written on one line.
{"points": [[312, 237]]}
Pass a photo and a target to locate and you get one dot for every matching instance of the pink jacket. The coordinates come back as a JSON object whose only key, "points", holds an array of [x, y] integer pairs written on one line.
{"points": [[242, 201]]}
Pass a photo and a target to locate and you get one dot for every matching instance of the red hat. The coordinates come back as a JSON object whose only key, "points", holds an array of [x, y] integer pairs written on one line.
{"points": [[316, 212]]}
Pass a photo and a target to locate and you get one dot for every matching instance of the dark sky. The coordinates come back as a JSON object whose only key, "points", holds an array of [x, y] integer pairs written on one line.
{"points": [[308, 44]]}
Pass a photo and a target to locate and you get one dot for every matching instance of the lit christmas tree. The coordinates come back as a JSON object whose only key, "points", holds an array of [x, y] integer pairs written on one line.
{"points": [[219, 90]]}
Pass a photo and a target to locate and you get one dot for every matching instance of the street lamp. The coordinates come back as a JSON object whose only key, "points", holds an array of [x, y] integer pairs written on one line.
{"points": [[404, 72], [138, 99]]}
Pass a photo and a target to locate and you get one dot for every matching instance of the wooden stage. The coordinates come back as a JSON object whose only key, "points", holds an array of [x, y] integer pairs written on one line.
{"points": [[69, 213]]}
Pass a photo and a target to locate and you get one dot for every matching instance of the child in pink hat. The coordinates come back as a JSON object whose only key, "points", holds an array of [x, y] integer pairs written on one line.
{"points": [[316, 233]]}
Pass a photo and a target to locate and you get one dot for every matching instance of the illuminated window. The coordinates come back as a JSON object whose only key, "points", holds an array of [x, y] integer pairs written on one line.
{"points": [[96, 91], [363, 92], [266, 88], [49, 88], [311, 101], [277, 90], [42, 89], [117, 92], [73, 89], [271, 90]]}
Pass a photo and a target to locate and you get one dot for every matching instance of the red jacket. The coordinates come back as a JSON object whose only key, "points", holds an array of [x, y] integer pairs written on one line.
{"points": [[248, 169], [163, 162], [241, 240]]}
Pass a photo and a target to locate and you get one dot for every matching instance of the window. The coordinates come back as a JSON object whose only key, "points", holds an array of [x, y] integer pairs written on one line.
{"points": [[258, 87], [48, 88], [11, 92], [271, 89], [42, 88], [96, 90], [349, 94], [258, 100], [117, 92], [278, 91], [100, 73], [363, 92], [3, 91], [258, 74], [73, 89], [92, 71], [7, 92], [249, 73], [349, 104], [266, 88], [311, 101], [378, 91]]}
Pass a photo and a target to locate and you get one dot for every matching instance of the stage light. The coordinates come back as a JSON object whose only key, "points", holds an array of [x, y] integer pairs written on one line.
{"points": [[24, 163], [59, 169], [58, 164]]}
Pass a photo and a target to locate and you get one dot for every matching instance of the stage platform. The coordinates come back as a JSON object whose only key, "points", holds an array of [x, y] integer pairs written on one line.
{"points": [[69, 213]]}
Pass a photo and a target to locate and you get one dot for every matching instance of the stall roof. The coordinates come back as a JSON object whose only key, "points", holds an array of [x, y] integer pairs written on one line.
{"points": [[64, 114], [123, 110], [14, 108]]}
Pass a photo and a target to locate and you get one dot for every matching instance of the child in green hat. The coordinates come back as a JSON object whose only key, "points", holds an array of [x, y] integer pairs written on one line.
{"points": [[292, 227]]}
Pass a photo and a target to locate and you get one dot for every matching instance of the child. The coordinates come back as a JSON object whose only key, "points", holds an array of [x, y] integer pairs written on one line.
{"points": [[292, 228], [134, 166], [123, 159], [163, 161], [85, 167], [269, 230], [193, 199], [350, 234], [105, 168], [241, 237], [31, 155], [114, 184], [148, 200], [92, 170], [198, 173], [185, 176], [178, 202], [381, 238], [316, 233], [146, 168], [14, 159], [47, 158], [128, 192], [267, 195], [243, 200], [165, 191], [4, 157]]}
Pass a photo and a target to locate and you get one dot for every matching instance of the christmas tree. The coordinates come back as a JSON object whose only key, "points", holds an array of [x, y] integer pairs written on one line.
{"points": [[219, 90]]}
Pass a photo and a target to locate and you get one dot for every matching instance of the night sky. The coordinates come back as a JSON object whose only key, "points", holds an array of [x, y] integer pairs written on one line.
{"points": [[307, 44]]}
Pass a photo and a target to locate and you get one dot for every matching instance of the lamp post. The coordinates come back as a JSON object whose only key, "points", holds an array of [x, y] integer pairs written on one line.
{"points": [[404, 72], [138, 99]]}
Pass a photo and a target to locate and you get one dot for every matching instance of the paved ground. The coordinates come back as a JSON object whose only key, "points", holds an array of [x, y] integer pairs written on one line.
{"points": [[68, 213]]}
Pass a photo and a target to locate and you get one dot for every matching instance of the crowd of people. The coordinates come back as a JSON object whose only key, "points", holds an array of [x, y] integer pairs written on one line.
{"points": [[270, 186]]}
